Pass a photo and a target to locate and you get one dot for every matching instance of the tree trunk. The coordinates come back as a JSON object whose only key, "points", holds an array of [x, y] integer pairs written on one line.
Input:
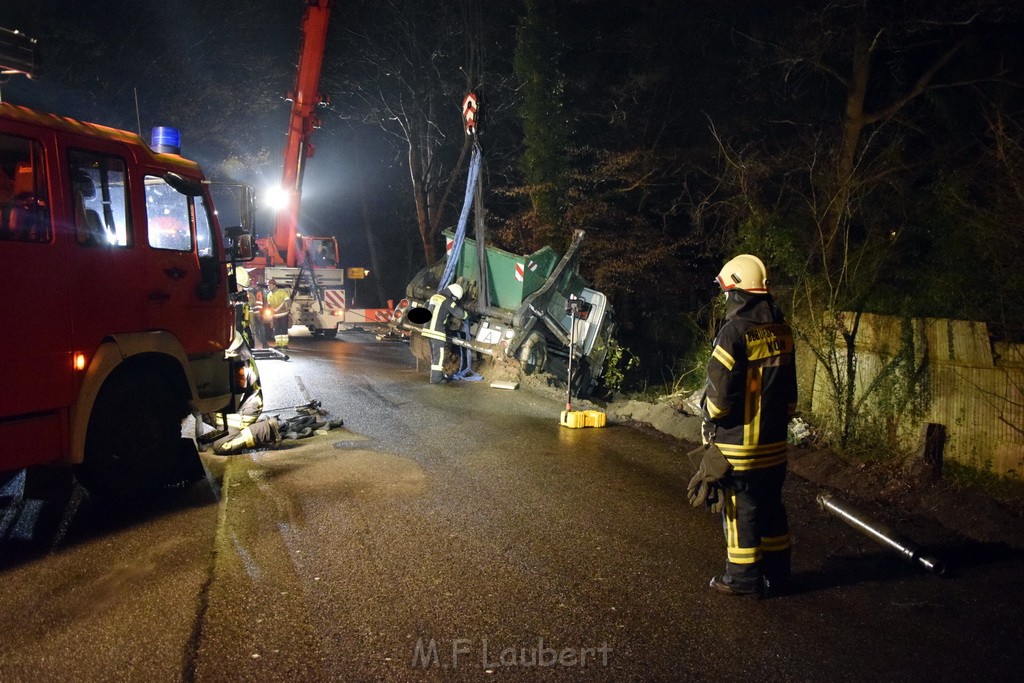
{"points": [[853, 127], [371, 242], [419, 193], [850, 393]]}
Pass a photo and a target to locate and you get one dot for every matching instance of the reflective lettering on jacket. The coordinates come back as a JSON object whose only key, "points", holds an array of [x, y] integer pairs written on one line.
{"points": [[442, 309], [751, 390]]}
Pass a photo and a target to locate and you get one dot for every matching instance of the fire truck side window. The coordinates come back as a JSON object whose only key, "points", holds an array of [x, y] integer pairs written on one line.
{"points": [[204, 231], [24, 209], [98, 198], [167, 212], [209, 257]]}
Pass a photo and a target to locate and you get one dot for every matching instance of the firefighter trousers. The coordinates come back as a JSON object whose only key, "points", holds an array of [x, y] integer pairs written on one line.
{"points": [[258, 434], [756, 529], [438, 355]]}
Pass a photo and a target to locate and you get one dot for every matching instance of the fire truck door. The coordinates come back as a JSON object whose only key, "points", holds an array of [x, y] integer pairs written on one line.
{"points": [[37, 366], [185, 278], [106, 260]]}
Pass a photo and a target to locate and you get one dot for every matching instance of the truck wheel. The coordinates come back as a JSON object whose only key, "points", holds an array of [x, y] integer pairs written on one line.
{"points": [[420, 348], [330, 333], [581, 378], [133, 444], [533, 356]]}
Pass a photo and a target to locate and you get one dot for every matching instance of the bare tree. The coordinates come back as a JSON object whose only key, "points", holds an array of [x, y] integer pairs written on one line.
{"points": [[409, 65], [826, 196]]}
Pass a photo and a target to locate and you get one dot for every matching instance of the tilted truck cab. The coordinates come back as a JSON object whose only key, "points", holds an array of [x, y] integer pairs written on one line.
{"points": [[521, 313], [117, 313]]}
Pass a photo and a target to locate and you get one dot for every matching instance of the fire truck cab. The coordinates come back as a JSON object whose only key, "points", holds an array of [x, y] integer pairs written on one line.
{"points": [[115, 301]]}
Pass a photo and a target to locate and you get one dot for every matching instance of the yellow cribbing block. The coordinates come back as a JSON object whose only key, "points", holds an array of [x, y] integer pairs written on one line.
{"points": [[573, 419], [577, 419]]}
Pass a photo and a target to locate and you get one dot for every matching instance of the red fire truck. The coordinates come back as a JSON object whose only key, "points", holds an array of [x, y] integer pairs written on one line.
{"points": [[116, 310]]}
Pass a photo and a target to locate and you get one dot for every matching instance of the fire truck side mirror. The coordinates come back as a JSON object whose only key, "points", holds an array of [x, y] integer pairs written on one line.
{"points": [[247, 208], [241, 247], [183, 185]]}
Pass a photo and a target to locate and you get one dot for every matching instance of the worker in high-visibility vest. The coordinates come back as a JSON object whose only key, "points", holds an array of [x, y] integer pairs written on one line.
{"points": [[444, 308], [280, 304]]}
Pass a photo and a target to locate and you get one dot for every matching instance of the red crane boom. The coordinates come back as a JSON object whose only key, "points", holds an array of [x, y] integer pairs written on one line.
{"points": [[301, 124]]}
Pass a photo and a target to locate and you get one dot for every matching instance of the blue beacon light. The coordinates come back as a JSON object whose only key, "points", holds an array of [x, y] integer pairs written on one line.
{"points": [[165, 140]]}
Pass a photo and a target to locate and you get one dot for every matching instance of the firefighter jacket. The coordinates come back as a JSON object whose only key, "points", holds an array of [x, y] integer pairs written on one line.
{"points": [[750, 393], [443, 308]]}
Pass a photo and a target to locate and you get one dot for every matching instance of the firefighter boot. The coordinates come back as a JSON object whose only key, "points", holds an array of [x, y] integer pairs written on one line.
{"points": [[724, 584], [777, 569]]}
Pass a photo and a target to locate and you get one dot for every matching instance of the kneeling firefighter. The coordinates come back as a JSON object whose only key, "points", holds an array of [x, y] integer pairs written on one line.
{"points": [[444, 308]]}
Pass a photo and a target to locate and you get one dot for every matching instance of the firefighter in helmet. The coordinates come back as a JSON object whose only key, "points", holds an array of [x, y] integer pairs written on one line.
{"points": [[251, 402], [257, 297], [280, 304], [243, 302], [748, 400], [444, 309]]}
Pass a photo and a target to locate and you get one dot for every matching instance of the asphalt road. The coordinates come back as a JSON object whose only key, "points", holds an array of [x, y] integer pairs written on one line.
{"points": [[457, 532]]}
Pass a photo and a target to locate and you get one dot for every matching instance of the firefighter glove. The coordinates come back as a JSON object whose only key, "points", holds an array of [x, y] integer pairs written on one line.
{"points": [[705, 488]]}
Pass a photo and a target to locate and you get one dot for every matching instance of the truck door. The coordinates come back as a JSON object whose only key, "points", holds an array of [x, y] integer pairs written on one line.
{"points": [[185, 276], [106, 263], [36, 372]]}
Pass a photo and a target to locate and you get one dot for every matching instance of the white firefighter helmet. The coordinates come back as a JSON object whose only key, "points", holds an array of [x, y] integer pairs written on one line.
{"points": [[745, 272], [456, 291], [242, 277]]}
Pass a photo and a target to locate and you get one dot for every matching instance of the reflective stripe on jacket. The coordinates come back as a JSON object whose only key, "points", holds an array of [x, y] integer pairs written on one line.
{"points": [[750, 393], [442, 309]]}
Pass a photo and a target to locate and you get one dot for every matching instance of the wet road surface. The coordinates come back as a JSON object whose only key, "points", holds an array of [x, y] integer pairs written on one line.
{"points": [[457, 532]]}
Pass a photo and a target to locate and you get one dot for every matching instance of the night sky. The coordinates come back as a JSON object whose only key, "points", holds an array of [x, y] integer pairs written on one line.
{"points": [[647, 100], [99, 58]]}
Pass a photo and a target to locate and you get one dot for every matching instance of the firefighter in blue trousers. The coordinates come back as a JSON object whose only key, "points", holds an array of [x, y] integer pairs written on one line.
{"points": [[444, 308], [748, 400]]}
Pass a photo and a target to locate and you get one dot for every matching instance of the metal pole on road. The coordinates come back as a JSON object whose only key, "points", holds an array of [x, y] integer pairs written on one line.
{"points": [[880, 532]]}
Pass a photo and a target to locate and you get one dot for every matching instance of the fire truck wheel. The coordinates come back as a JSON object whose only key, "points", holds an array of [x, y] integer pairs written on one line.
{"points": [[534, 354], [330, 333], [134, 443]]}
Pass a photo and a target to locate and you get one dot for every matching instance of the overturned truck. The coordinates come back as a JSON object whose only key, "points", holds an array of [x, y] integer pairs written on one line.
{"points": [[519, 313]]}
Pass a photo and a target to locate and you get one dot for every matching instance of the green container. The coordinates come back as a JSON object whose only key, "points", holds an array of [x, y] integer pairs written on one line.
{"points": [[510, 277]]}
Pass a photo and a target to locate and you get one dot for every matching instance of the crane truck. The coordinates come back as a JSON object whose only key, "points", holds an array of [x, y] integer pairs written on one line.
{"points": [[306, 265]]}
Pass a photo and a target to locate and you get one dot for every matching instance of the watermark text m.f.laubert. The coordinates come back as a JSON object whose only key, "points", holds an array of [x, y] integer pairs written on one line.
{"points": [[465, 652]]}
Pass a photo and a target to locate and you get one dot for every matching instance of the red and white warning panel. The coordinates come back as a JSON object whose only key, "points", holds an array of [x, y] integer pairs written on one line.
{"points": [[334, 299], [372, 316]]}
